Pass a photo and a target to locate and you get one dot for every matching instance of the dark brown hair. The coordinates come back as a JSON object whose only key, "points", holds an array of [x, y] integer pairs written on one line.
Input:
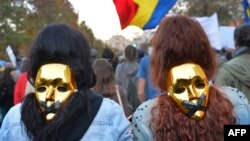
{"points": [[130, 53], [105, 79]]}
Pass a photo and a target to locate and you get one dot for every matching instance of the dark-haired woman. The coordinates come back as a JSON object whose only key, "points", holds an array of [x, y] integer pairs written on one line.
{"points": [[63, 107]]}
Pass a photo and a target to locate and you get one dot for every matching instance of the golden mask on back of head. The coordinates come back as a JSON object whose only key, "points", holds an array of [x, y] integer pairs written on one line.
{"points": [[53, 85], [189, 88]]}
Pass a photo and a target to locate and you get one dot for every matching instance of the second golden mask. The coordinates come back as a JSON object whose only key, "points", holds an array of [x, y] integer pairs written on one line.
{"points": [[189, 88]]}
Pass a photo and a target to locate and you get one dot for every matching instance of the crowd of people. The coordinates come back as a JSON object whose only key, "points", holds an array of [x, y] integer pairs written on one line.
{"points": [[173, 92]]}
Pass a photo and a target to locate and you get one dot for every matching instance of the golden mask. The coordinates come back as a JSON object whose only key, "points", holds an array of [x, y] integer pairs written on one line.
{"points": [[189, 88], [53, 85]]}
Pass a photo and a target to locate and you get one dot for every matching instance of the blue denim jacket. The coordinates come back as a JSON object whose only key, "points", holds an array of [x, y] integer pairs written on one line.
{"points": [[110, 124], [142, 116]]}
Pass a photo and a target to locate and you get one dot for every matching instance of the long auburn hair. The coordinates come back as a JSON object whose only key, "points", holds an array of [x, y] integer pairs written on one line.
{"points": [[180, 39], [105, 79], [58, 43]]}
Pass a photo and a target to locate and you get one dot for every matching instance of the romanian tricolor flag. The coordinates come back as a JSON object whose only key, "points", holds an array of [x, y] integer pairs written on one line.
{"points": [[145, 14], [246, 11]]}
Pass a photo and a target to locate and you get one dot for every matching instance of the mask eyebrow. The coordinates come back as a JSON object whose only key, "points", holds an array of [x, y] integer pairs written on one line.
{"points": [[186, 82], [54, 82], [182, 82], [42, 82], [59, 81], [197, 77]]}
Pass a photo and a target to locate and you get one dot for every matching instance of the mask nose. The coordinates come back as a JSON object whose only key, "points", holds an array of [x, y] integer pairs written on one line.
{"points": [[192, 93], [50, 94]]}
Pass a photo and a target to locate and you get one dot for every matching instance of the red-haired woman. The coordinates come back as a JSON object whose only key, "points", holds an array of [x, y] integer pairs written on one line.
{"points": [[190, 108]]}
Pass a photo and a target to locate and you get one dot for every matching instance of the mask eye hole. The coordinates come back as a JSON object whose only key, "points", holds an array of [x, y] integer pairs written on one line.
{"points": [[62, 89], [179, 90], [199, 83], [41, 89]]}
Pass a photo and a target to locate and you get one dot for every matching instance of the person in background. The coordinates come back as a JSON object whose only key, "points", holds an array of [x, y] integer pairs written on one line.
{"points": [[63, 106], [190, 107], [236, 72], [22, 86], [3, 63], [128, 68], [125, 75], [106, 85], [7, 85], [93, 54], [141, 54], [109, 55], [146, 90]]}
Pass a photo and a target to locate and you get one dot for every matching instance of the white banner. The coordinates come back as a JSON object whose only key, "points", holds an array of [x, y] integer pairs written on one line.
{"points": [[11, 56], [211, 27], [227, 36]]}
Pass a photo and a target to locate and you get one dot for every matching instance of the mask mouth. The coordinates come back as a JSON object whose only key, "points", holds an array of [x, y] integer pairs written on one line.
{"points": [[193, 107], [50, 109]]}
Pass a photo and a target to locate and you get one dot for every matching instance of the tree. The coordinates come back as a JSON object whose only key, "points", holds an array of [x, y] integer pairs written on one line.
{"points": [[11, 15], [93, 42], [43, 12], [228, 10], [50, 11], [21, 20]]}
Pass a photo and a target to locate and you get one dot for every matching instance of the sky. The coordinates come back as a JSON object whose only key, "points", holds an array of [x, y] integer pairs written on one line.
{"points": [[102, 18]]}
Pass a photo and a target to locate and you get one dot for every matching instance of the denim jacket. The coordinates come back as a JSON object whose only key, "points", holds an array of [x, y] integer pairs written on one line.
{"points": [[142, 116], [110, 124]]}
